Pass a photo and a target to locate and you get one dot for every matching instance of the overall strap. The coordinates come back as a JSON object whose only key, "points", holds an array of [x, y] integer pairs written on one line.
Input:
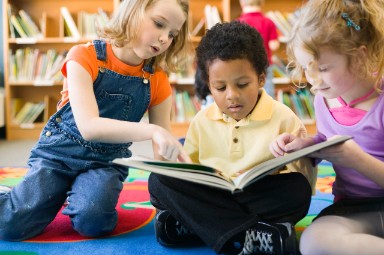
{"points": [[101, 49], [149, 66]]}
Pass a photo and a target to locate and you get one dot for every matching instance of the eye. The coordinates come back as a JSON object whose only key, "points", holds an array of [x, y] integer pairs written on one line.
{"points": [[242, 85], [171, 35], [221, 88], [158, 24], [323, 69]]}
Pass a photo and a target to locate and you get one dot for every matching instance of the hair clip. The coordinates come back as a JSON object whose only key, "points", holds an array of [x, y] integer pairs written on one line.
{"points": [[350, 22]]}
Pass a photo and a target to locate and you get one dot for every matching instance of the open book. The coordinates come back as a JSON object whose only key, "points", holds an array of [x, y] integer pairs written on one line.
{"points": [[213, 177]]}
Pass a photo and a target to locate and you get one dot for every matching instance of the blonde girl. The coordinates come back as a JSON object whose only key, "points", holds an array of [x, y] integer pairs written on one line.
{"points": [[337, 45], [109, 84]]}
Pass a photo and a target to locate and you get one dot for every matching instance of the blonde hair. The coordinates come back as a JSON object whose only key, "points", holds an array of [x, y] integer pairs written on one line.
{"points": [[123, 28], [321, 25]]}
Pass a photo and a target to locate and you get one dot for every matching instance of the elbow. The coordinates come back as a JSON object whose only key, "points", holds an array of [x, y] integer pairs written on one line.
{"points": [[88, 133]]}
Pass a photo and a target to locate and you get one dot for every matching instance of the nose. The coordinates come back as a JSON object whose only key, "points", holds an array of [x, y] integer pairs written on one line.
{"points": [[232, 93], [163, 38]]}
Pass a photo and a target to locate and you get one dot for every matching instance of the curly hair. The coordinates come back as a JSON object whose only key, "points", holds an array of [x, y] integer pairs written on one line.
{"points": [[230, 41], [321, 25]]}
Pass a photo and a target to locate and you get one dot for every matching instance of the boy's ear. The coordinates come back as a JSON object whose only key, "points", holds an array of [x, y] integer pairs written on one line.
{"points": [[262, 80]]}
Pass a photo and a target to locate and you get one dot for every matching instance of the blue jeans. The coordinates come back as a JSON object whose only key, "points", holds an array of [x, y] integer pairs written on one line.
{"points": [[63, 164], [92, 185]]}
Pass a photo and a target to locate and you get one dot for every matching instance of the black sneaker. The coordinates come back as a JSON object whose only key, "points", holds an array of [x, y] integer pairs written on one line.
{"points": [[4, 189], [169, 231], [270, 238]]}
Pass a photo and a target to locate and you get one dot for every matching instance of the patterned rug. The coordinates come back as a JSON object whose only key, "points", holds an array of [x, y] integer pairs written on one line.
{"points": [[134, 233]]}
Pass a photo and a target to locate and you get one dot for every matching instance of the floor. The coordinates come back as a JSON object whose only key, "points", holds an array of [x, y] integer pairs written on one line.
{"points": [[16, 153]]}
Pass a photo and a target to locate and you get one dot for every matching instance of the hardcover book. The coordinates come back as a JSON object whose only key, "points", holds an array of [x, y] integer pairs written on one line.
{"points": [[214, 177]]}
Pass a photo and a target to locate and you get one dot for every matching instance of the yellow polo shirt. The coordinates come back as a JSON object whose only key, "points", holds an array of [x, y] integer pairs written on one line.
{"points": [[215, 139]]}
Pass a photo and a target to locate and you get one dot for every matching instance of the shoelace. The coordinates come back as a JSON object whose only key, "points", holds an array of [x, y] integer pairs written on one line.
{"points": [[181, 230], [264, 239]]}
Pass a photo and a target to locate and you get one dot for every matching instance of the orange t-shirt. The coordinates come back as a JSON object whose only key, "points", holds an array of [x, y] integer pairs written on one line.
{"points": [[85, 55]]}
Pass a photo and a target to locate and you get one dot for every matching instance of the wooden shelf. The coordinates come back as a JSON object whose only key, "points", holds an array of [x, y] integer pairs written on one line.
{"points": [[47, 14]]}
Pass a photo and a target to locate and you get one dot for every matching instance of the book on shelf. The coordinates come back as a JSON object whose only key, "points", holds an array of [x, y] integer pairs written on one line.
{"points": [[300, 101], [209, 176], [212, 16], [29, 113], [284, 26], [18, 28], [69, 23], [33, 29]]}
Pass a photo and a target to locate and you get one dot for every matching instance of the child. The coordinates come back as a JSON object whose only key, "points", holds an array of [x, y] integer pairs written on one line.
{"points": [[109, 86], [252, 15], [233, 134], [338, 45]]}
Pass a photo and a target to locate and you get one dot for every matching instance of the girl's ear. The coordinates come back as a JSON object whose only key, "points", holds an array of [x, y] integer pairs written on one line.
{"points": [[358, 60], [262, 80]]}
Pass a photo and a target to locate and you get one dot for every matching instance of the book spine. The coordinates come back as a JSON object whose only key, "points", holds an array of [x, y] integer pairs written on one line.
{"points": [[69, 21]]}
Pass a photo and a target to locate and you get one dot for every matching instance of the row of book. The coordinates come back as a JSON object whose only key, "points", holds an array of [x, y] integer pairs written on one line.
{"points": [[300, 101], [22, 25], [284, 22], [184, 106], [87, 23], [28, 112], [28, 64], [210, 18]]}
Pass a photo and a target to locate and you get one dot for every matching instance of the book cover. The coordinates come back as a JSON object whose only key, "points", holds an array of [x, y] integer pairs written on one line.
{"points": [[17, 26], [213, 177]]}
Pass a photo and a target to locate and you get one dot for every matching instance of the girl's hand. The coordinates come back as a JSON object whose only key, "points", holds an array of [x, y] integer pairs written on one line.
{"points": [[168, 146], [278, 146], [287, 143]]}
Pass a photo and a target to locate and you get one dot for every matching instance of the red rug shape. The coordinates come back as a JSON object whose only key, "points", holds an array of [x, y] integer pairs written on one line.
{"points": [[60, 229]]}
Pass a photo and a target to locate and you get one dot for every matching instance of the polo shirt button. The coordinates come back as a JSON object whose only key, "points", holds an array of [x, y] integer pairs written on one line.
{"points": [[48, 133], [235, 140]]}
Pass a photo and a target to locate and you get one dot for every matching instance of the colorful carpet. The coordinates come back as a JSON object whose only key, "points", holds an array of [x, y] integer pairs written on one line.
{"points": [[134, 233]]}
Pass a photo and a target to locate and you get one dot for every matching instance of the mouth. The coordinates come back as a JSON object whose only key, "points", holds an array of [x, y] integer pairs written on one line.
{"points": [[235, 108], [155, 49]]}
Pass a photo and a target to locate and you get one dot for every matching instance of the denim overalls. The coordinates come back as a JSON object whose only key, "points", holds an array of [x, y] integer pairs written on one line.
{"points": [[63, 164]]}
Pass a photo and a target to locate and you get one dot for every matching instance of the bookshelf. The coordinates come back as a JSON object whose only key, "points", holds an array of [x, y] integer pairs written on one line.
{"points": [[230, 10], [53, 35]]}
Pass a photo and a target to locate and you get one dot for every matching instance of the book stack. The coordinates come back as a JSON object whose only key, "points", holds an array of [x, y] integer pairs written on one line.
{"points": [[89, 22], [21, 24], [300, 101], [29, 113], [284, 22], [28, 64]]}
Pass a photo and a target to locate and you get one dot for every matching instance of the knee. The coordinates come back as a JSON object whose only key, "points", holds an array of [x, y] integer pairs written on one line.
{"points": [[11, 230], [311, 243], [94, 223], [155, 183]]}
